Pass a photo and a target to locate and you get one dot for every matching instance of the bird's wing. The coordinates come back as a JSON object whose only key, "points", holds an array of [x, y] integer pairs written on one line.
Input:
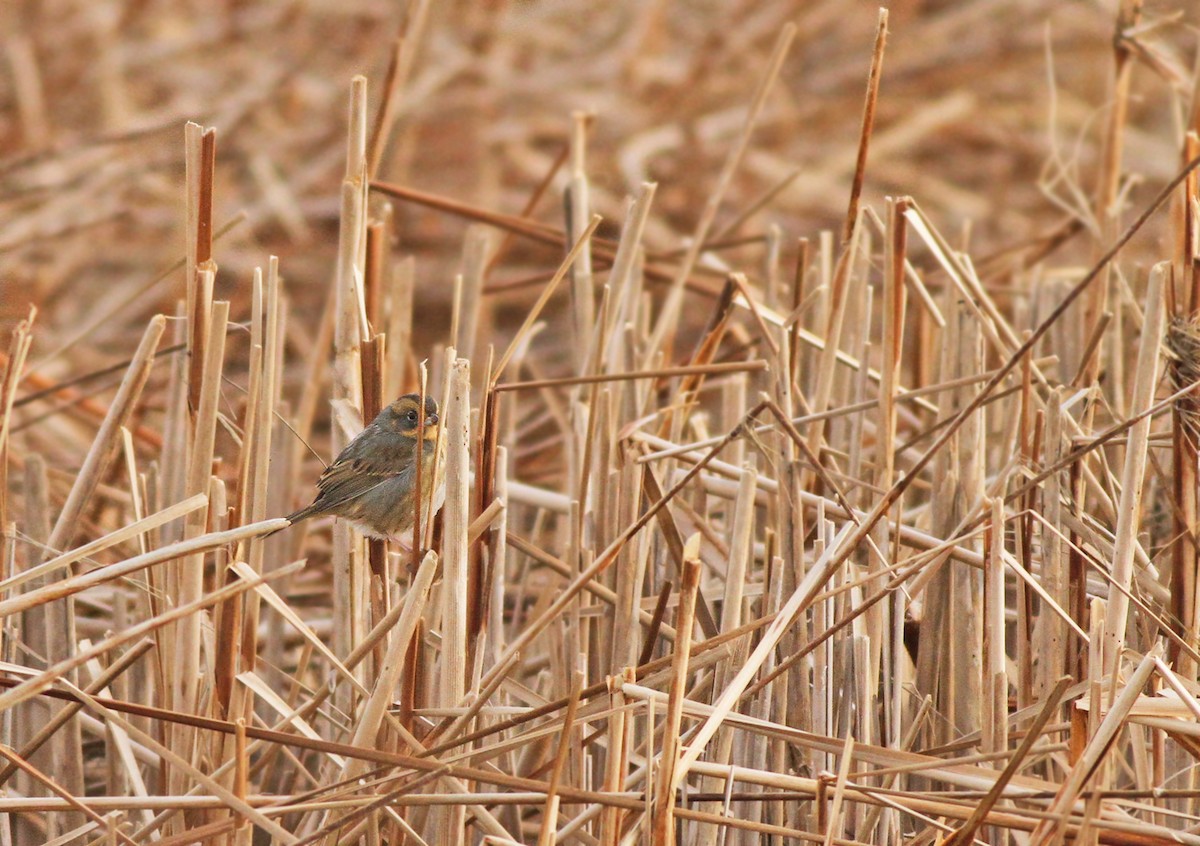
{"points": [[345, 481], [367, 462]]}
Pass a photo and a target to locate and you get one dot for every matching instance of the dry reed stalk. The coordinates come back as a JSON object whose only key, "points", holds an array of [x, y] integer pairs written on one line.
{"points": [[960, 591], [182, 765], [994, 682], [350, 570], [956, 773], [381, 128], [472, 320], [200, 157], [834, 820], [1186, 511], [577, 204], [1180, 342], [399, 327], [741, 534], [741, 679], [239, 651], [660, 373], [971, 825], [622, 280], [14, 366], [124, 773], [668, 781], [849, 542], [1145, 380], [114, 832], [849, 242], [1052, 641], [548, 291], [1108, 180], [908, 535], [894, 313], [852, 408], [546, 836], [454, 645], [868, 124], [190, 569], [602, 593]]}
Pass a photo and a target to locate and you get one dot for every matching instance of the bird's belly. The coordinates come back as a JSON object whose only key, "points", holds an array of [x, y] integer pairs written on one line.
{"points": [[385, 511]]}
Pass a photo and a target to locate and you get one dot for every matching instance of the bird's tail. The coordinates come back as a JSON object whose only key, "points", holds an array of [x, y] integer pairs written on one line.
{"points": [[294, 518]]}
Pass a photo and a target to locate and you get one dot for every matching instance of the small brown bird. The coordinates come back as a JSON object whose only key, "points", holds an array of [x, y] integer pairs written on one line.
{"points": [[371, 483]]}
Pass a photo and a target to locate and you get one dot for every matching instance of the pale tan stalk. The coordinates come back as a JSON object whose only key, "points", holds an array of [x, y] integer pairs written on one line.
{"points": [[669, 776], [1129, 512]]}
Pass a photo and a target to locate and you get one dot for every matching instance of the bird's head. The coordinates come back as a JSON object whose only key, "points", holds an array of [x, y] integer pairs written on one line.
{"points": [[405, 415]]}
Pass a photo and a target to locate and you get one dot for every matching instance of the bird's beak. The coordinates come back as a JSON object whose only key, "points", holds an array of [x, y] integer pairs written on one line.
{"points": [[431, 420]]}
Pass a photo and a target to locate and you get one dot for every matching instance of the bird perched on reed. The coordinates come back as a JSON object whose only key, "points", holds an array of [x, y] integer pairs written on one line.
{"points": [[372, 482]]}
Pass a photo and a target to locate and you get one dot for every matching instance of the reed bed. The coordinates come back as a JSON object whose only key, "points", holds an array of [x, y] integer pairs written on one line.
{"points": [[818, 393]]}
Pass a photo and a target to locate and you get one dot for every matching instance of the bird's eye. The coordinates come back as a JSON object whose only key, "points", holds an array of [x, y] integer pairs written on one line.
{"points": [[412, 416]]}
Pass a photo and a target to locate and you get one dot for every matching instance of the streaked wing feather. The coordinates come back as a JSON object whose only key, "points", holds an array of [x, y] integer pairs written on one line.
{"points": [[364, 464]]}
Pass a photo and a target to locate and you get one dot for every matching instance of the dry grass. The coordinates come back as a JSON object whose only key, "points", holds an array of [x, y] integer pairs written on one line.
{"points": [[821, 449]]}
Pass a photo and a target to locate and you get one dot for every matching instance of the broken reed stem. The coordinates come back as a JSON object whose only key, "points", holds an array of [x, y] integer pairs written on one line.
{"points": [[868, 125], [200, 165]]}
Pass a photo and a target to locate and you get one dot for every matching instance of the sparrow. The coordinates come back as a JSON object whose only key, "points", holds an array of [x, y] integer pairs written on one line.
{"points": [[371, 484]]}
